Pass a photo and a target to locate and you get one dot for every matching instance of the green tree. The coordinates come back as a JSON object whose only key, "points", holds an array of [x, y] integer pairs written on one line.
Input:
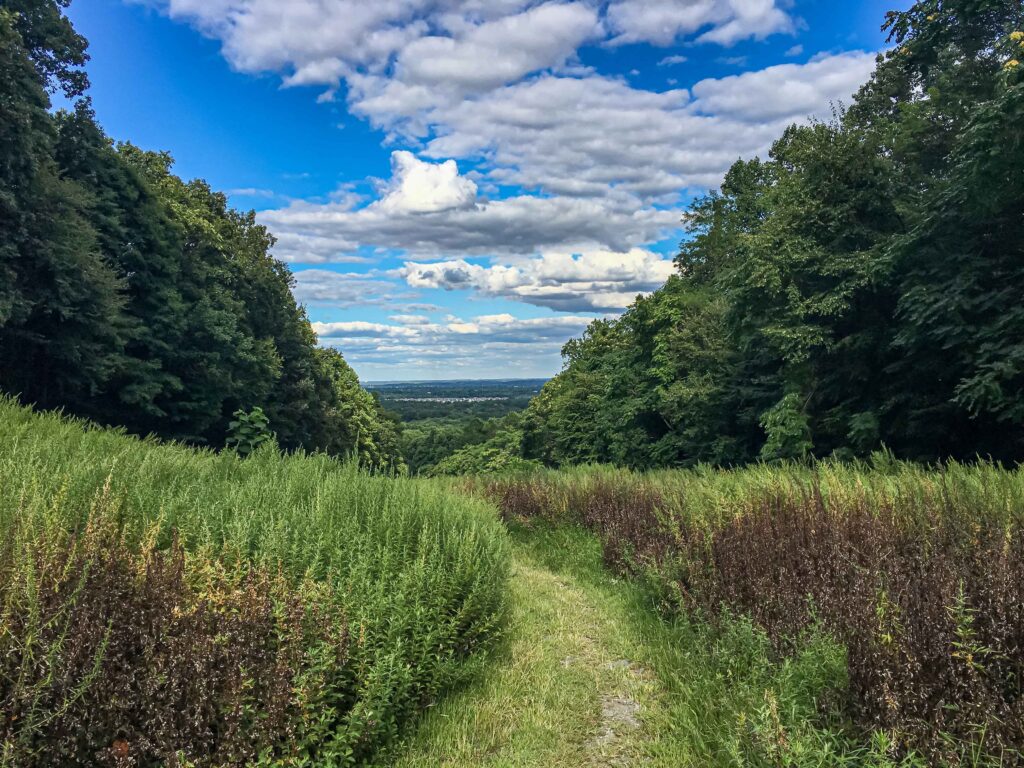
{"points": [[61, 333], [132, 297], [857, 288]]}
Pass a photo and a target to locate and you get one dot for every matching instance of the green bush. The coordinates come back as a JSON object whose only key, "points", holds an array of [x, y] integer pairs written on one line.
{"points": [[248, 431], [163, 605]]}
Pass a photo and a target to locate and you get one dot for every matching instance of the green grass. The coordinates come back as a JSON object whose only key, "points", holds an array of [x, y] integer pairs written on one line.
{"points": [[419, 576], [332, 610], [579, 638], [710, 495], [539, 701], [825, 614]]}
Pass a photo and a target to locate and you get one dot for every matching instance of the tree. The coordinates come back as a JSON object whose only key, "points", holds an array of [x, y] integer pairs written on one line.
{"points": [[61, 332], [857, 288], [132, 297]]}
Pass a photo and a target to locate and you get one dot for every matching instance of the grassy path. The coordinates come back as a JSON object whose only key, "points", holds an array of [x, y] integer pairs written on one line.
{"points": [[567, 688]]}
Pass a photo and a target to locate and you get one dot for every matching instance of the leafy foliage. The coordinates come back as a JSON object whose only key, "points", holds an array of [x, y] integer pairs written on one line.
{"points": [[497, 455], [134, 298], [858, 288], [249, 431]]}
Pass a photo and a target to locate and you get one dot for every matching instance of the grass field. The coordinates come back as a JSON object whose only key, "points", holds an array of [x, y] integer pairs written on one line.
{"points": [[166, 606], [591, 674], [161, 605], [889, 596]]}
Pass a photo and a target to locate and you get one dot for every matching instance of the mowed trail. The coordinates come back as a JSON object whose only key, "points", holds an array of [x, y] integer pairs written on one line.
{"points": [[562, 692]]}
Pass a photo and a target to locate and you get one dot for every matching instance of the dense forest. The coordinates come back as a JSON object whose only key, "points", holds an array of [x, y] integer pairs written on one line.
{"points": [[134, 298], [859, 288]]}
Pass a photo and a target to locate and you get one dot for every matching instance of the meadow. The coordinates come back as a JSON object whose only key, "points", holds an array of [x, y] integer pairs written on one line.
{"points": [[838, 613], [162, 605]]}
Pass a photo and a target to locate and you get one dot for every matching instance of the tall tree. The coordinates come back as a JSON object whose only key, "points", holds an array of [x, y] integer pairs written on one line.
{"points": [[61, 331], [857, 288]]}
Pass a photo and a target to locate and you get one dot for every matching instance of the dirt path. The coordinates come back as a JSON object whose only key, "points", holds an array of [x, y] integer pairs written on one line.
{"points": [[560, 693]]}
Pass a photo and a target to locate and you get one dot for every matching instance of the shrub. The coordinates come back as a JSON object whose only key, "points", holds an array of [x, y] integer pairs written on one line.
{"points": [[248, 431], [161, 605]]}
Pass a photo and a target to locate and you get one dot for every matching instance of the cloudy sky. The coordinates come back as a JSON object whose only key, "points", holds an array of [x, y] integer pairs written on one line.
{"points": [[462, 185]]}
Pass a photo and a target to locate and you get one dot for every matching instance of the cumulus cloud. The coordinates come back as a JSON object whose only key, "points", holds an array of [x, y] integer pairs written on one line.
{"points": [[321, 286], [500, 341], [609, 159], [596, 281], [410, 319], [498, 52], [361, 329], [794, 89], [663, 22], [516, 226], [472, 43], [421, 187], [594, 163], [409, 344], [574, 172]]}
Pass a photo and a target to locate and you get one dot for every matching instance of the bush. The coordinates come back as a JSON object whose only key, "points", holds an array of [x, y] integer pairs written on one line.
{"points": [[161, 605], [248, 431], [918, 574]]}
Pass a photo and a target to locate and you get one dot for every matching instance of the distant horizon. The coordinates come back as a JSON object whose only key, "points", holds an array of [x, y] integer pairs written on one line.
{"points": [[474, 380]]}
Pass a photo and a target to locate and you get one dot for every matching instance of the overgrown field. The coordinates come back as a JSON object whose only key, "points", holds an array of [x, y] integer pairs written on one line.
{"points": [[166, 606], [881, 606]]}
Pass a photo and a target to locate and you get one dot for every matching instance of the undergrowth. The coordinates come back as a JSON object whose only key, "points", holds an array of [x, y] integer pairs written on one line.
{"points": [[166, 606], [904, 584]]}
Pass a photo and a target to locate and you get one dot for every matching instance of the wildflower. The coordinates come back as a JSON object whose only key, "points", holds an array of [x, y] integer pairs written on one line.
{"points": [[1011, 64], [1017, 36]]}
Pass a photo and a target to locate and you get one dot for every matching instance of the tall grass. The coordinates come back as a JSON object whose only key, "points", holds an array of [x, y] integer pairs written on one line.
{"points": [[917, 574], [162, 605]]}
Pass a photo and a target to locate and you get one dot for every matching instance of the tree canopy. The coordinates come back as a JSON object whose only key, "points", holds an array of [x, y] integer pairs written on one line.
{"points": [[134, 298], [859, 288]]}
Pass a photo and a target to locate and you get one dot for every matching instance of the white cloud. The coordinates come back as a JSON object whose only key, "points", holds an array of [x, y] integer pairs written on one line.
{"points": [[473, 43], [794, 89], [361, 329], [796, 50], [598, 163], [349, 289], [500, 51], [410, 319], [515, 226], [663, 22], [565, 160], [587, 282], [467, 347], [421, 187], [609, 158]]}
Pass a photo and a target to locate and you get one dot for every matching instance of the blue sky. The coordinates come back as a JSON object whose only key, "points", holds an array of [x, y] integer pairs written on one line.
{"points": [[460, 186]]}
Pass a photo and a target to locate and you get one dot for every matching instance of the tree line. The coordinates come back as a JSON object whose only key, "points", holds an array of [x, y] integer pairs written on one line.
{"points": [[861, 287], [134, 298]]}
